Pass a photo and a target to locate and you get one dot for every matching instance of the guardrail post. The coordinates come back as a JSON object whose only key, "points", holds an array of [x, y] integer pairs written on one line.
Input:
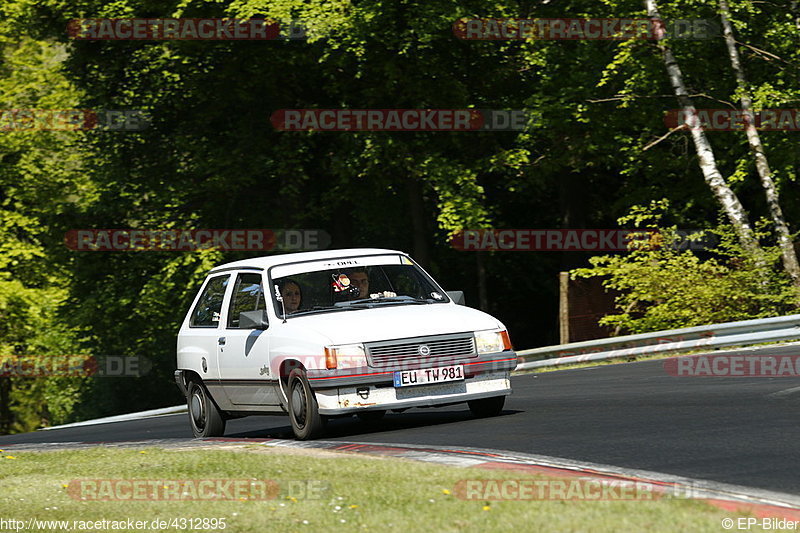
{"points": [[563, 307]]}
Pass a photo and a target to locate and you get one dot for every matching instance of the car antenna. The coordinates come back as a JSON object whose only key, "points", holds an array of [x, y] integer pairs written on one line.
{"points": [[280, 299]]}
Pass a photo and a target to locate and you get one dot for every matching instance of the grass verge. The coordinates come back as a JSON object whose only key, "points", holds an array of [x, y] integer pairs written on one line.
{"points": [[350, 493]]}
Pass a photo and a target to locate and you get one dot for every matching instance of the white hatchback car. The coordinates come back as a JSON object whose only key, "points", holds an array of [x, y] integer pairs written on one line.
{"points": [[335, 333]]}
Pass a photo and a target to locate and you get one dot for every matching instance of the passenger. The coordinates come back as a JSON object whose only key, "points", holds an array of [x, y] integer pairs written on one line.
{"points": [[291, 294]]}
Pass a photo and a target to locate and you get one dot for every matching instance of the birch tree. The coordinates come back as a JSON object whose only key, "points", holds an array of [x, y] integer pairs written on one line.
{"points": [[719, 187], [788, 253]]}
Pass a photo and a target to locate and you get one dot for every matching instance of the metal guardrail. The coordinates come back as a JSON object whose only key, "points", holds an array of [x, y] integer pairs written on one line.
{"points": [[124, 418], [741, 333]]}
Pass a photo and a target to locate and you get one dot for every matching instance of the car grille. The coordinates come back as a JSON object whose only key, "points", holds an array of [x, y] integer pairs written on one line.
{"points": [[407, 351]]}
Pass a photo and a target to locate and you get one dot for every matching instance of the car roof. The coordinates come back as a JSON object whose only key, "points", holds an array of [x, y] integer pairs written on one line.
{"points": [[282, 259]]}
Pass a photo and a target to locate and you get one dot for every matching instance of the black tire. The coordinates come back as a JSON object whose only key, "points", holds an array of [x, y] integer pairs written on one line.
{"points": [[204, 416], [303, 409], [371, 416], [487, 406]]}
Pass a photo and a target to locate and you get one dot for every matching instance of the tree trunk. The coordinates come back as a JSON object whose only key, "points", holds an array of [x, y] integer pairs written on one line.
{"points": [[5, 405], [795, 8], [563, 307], [483, 293], [725, 196], [573, 204], [789, 255], [419, 233], [796, 12]]}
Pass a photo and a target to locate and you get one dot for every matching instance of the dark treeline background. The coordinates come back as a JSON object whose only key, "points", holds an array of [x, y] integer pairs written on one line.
{"points": [[211, 159]]}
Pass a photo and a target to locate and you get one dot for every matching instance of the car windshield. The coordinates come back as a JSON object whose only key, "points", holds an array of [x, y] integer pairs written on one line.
{"points": [[356, 287]]}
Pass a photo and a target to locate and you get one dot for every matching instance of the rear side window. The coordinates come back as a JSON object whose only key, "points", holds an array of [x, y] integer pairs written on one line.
{"points": [[209, 306], [248, 295]]}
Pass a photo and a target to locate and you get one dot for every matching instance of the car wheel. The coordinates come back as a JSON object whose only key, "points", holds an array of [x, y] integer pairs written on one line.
{"points": [[303, 409], [371, 416], [487, 406], [205, 418]]}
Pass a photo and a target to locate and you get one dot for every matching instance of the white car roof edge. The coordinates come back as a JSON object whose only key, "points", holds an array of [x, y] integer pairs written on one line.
{"points": [[265, 262]]}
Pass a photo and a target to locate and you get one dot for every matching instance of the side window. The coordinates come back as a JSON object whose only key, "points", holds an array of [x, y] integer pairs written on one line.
{"points": [[206, 312], [248, 295]]}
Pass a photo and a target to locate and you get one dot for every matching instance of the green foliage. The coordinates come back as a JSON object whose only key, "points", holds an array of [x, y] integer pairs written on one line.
{"points": [[212, 160], [40, 178], [660, 286]]}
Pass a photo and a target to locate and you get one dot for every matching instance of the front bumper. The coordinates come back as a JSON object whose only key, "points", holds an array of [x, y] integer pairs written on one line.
{"points": [[473, 366], [357, 398]]}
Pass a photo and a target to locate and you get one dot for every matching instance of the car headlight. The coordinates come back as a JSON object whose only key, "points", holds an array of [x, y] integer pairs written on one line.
{"points": [[345, 356], [492, 341]]}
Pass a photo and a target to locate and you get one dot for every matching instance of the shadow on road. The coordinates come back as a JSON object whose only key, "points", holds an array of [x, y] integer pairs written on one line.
{"points": [[351, 427]]}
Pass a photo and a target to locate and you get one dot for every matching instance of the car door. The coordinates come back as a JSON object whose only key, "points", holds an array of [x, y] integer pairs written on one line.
{"points": [[197, 342], [244, 349]]}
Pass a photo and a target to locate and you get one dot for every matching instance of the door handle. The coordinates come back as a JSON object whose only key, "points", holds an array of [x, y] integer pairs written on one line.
{"points": [[221, 341]]}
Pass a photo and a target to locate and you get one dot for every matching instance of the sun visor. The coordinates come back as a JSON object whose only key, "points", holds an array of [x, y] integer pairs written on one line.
{"points": [[292, 269]]}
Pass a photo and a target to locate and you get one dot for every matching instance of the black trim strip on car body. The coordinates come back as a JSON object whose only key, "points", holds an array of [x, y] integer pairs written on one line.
{"points": [[179, 380], [259, 382], [324, 379], [218, 270]]}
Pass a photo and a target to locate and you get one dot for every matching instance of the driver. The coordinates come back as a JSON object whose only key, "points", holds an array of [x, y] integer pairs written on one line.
{"points": [[360, 279]]}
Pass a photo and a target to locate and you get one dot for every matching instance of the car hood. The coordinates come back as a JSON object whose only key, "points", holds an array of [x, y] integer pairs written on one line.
{"points": [[395, 322]]}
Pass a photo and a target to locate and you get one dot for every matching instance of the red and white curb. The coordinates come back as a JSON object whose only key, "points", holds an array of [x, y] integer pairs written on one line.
{"points": [[734, 498]]}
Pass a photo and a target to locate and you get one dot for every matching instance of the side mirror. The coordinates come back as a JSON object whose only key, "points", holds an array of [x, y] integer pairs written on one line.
{"points": [[457, 297], [253, 320]]}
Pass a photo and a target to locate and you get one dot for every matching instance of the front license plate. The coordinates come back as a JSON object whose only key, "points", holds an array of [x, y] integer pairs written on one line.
{"points": [[407, 378]]}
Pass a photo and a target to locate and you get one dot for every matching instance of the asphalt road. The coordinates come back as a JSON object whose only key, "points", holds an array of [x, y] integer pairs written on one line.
{"points": [[731, 430]]}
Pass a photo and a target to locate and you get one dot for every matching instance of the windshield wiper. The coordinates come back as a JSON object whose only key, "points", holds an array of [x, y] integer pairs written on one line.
{"points": [[385, 300], [317, 309]]}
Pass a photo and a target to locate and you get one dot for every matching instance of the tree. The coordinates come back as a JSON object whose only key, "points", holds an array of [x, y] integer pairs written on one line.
{"points": [[788, 253], [725, 196], [41, 177]]}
